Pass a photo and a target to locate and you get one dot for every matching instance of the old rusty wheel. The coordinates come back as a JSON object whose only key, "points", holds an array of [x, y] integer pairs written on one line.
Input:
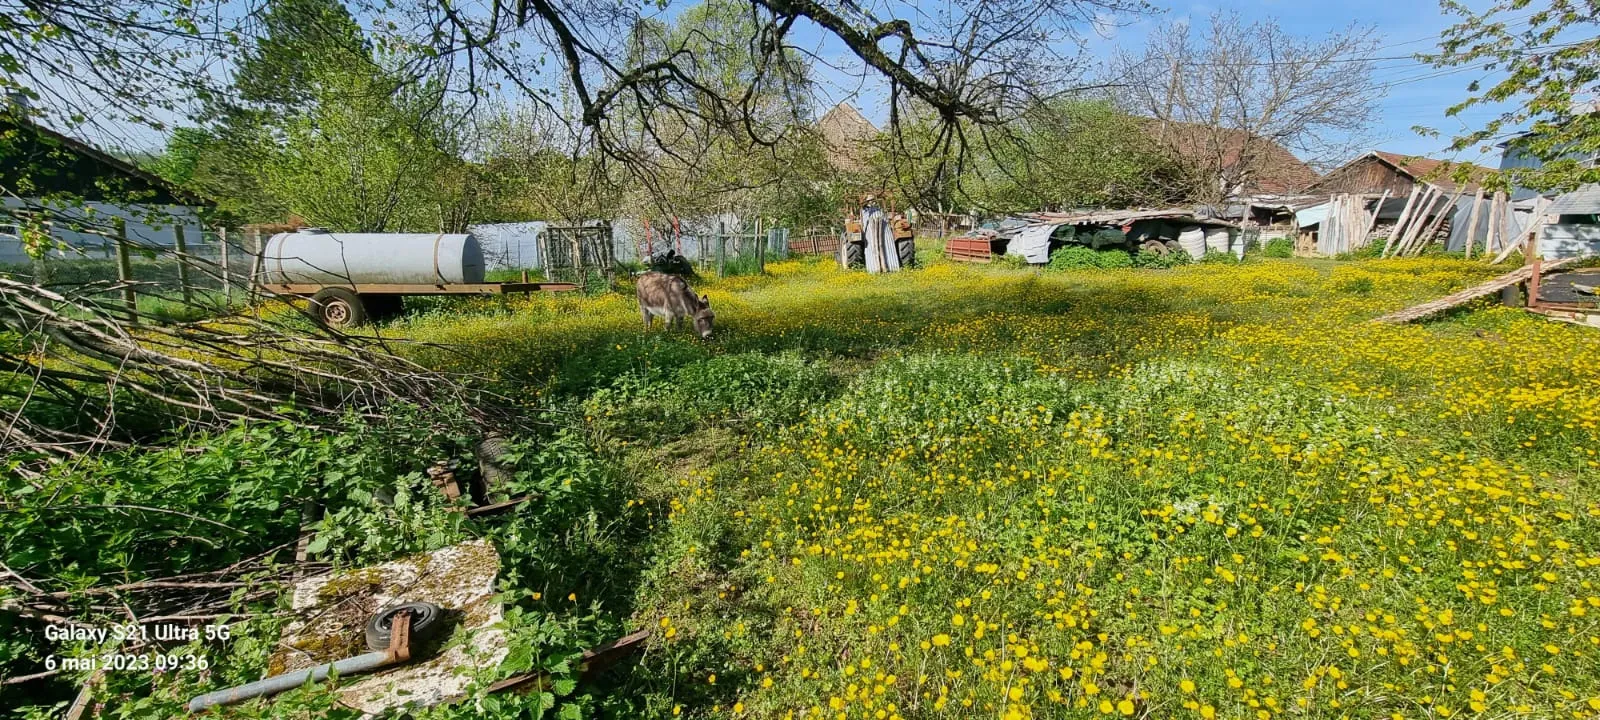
{"points": [[338, 308], [425, 620]]}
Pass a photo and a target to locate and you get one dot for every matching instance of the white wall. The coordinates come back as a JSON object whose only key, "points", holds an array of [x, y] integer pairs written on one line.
{"points": [[146, 225]]}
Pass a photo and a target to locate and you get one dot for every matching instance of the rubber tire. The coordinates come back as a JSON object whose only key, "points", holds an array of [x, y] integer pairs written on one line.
{"points": [[907, 249], [1155, 246], [426, 619], [855, 255], [338, 308]]}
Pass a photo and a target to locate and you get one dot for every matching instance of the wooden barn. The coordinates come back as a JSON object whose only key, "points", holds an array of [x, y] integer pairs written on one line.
{"points": [[1406, 201], [1378, 171]]}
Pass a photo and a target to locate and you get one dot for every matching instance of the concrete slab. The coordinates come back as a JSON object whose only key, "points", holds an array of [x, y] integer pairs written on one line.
{"points": [[332, 611]]}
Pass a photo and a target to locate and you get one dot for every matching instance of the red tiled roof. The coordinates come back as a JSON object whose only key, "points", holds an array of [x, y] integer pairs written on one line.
{"points": [[1276, 169], [847, 137]]}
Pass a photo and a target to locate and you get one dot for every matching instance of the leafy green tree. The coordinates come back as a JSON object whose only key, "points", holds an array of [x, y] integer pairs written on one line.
{"points": [[1549, 62], [369, 157], [530, 172], [763, 160], [1075, 153], [1064, 154], [301, 41], [317, 127]]}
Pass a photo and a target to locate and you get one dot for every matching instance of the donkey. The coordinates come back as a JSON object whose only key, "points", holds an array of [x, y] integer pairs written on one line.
{"points": [[669, 298]]}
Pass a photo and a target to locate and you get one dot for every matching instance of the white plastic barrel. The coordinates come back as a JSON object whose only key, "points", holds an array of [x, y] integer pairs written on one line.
{"points": [[1193, 241], [328, 258], [1217, 240]]}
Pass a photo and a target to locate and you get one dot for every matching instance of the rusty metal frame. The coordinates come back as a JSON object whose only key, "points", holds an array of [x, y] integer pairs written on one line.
{"points": [[595, 660], [420, 289], [1578, 314]]}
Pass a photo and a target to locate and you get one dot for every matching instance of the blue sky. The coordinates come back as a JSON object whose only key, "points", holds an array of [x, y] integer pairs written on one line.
{"points": [[1416, 94]]}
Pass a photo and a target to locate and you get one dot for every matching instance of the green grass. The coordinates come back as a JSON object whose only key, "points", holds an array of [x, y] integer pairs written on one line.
{"points": [[1210, 490]]}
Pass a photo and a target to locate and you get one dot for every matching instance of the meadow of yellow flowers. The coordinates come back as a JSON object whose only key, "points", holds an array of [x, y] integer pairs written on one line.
{"points": [[1210, 492]]}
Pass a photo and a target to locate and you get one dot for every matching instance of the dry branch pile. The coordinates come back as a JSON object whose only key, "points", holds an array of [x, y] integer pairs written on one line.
{"points": [[83, 374]]}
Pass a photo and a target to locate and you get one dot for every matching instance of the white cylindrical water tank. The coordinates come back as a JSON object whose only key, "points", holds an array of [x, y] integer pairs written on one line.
{"points": [[327, 258], [1193, 241]]}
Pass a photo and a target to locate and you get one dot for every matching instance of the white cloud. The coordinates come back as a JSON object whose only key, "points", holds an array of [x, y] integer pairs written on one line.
{"points": [[1105, 25]]}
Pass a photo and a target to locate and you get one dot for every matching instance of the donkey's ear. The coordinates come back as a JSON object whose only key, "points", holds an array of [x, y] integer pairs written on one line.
{"points": [[704, 300]]}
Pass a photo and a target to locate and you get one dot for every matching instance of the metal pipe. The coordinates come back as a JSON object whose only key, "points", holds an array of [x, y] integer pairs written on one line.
{"points": [[291, 680]]}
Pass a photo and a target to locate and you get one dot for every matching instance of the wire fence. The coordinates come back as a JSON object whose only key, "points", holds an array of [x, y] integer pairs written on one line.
{"points": [[208, 267]]}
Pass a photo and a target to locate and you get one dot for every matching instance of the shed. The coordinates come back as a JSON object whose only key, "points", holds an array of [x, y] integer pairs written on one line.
{"points": [[1581, 204], [1576, 229], [1377, 171]]}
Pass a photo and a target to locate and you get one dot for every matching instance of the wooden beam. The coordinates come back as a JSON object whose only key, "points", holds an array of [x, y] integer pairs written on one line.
{"points": [[1433, 228], [1405, 214], [182, 247], [227, 274], [1462, 297], [1496, 236], [1373, 222], [418, 289], [1419, 219], [130, 300], [1472, 222], [1535, 224], [257, 252]]}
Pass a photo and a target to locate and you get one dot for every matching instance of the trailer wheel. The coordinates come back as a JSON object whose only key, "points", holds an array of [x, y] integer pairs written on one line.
{"points": [[338, 308]]}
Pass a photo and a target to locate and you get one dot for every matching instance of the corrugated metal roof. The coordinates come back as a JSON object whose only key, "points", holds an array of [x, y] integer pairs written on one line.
{"points": [[1122, 217], [1583, 201]]}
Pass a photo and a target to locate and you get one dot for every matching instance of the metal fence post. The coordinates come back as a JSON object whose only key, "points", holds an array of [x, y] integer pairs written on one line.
{"points": [[761, 255], [125, 267]]}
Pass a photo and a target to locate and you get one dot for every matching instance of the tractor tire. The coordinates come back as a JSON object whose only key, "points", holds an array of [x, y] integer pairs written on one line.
{"points": [[338, 308], [855, 255], [907, 249]]}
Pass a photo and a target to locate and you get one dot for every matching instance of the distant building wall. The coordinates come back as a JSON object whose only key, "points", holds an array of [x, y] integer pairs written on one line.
{"points": [[145, 225]]}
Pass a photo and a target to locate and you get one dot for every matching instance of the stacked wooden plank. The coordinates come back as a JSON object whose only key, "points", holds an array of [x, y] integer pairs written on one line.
{"points": [[1348, 226], [1428, 208]]}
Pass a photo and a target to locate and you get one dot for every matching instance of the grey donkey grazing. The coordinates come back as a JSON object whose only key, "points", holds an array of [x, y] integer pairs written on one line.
{"points": [[670, 298]]}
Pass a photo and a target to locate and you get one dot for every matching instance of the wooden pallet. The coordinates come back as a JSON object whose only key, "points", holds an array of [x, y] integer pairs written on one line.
{"points": [[965, 249], [815, 245], [1462, 297]]}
